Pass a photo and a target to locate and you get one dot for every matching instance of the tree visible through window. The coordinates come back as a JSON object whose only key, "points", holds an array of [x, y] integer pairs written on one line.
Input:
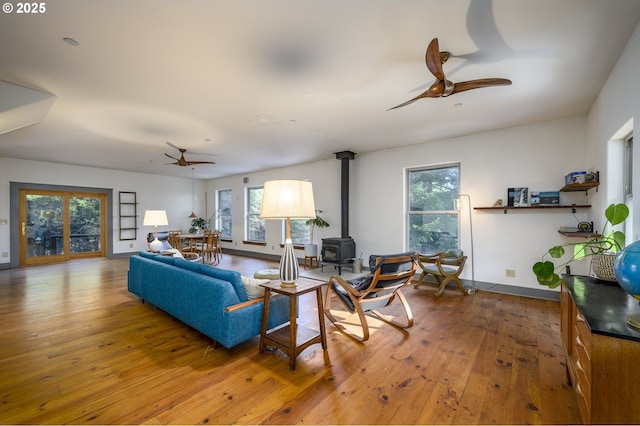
{"points": [[223, 213], [255, 229], [299, 231], [432, 218]]}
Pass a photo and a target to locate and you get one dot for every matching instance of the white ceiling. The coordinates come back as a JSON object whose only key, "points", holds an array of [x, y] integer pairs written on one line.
{"points": [[269, 83]]}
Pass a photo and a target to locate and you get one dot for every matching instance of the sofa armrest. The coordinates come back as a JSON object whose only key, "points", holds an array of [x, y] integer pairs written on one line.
{"points": [[243, 304]]}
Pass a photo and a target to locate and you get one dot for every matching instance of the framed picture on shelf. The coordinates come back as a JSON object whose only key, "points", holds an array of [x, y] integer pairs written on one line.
{"points": [[518, 197]]}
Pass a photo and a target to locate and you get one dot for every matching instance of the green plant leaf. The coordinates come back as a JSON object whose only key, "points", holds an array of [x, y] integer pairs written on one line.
{"points": [[616, 213], [552, 282], [544, 270], [619, 238], [556, 252], [580, 251]]}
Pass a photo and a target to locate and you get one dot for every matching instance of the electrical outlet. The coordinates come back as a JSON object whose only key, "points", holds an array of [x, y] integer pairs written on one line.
{"points": [[5, 254], [510, 273], [131, 245], [4, 221]]}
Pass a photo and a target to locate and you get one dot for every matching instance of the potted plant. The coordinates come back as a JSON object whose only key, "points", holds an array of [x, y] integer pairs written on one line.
{"points": [[598, 247], [198, 224], [311, 249]]}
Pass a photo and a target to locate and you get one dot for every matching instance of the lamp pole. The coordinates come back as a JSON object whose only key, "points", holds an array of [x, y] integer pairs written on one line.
{"points": [[472, 289]]}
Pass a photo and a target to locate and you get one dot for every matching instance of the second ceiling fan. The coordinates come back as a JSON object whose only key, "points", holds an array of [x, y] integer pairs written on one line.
{"points": [[182, 162], [443, 87]]}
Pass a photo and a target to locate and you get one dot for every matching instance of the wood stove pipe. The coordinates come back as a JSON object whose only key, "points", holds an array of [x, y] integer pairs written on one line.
{"points": [[344, 157]]}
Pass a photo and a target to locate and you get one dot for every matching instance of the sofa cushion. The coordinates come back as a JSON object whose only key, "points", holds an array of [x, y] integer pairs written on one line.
{"points": [[252, 286], [170, 260], [185, 264], [232, 277]]}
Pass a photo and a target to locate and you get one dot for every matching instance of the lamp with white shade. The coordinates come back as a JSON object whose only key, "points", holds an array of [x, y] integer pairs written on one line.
{"points": [[155, 218], [286, 200]]}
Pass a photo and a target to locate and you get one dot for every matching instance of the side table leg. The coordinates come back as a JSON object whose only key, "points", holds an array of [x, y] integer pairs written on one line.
{"points": [[323, 332], [265, 319], [293, 331]]}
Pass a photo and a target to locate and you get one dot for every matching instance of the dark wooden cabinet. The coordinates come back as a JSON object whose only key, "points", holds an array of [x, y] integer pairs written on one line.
{"points": [[602, 350]]}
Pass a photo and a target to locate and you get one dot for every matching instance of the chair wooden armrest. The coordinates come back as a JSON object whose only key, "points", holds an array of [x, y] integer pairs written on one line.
{"points": [[344, 284], [242, 305]]}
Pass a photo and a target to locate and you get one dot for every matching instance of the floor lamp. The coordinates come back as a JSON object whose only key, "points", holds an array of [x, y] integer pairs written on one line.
{"points": [[286, 200], [472, 289]]}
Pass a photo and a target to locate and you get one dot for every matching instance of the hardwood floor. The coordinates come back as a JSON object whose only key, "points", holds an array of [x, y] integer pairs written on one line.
{"points": [[78, 348]]}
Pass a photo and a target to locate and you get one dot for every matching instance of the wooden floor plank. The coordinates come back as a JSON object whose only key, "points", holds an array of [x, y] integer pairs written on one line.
{"points": [[77, 348]]}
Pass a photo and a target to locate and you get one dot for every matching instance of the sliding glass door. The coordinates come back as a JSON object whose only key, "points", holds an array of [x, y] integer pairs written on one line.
{"points": [[58, 226]]}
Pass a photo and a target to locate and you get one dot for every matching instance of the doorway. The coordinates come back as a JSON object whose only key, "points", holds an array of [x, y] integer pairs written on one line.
{"points": [[56, 226]]}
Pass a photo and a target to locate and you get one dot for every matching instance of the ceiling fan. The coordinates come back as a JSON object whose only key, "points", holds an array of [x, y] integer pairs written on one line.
{"points": [[182, 162], [443, 87]]}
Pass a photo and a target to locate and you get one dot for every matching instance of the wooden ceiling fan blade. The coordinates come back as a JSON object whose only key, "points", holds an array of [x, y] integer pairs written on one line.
{"points": [[190, 163], [479, 84], [435, 91], [433, 59], [173, 158]]}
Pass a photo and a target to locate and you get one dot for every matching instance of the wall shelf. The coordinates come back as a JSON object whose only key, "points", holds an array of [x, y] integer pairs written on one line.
{"points": [[580, 234], [575, 187], [573, 207], [128, 221]]}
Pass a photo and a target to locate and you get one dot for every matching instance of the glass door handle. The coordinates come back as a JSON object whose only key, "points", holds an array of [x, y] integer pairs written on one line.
{"points": [[24, 228]]}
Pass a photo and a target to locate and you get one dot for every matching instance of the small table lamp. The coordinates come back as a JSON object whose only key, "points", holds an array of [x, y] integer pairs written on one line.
{"points": [[286, 200], [155, 218]]}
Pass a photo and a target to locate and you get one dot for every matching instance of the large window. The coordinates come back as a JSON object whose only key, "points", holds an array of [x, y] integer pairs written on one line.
{"points": [[432, 218], [254, 226], [223, 212]]}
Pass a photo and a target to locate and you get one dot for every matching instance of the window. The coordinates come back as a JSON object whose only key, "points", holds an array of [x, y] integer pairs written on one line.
{"points": [[299, 231], [223, 213], [254, 225], [432, 219]]}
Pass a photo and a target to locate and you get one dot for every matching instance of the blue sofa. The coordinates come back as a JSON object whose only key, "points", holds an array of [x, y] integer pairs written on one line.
{"points": [[211, 300]]}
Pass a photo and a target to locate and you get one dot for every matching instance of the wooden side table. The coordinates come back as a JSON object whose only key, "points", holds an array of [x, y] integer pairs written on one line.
{"points": [[293, 338]]}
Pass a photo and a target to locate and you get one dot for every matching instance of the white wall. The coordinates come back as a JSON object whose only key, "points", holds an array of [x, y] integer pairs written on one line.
{"points": [[537, 156], [153, 192], [617, 105], [325, 176]]}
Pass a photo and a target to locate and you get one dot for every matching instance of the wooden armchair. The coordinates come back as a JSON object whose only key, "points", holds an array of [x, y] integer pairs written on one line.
{"points": [[444, 266], [375, 291]]}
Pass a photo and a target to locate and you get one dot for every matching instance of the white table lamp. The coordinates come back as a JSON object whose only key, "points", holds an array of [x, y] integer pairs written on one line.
{"points": [[155, 218], [286, 200]]}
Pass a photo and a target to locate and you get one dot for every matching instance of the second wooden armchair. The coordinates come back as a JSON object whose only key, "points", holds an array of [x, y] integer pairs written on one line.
{"points": [[444, 266]]}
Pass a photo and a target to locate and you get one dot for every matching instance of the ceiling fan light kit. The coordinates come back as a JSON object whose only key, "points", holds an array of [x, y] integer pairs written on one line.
{"points": [[442, 87]]}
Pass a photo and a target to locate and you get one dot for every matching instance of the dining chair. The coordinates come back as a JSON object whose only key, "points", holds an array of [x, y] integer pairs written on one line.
{"points": [[207, 248], [176, 242]]}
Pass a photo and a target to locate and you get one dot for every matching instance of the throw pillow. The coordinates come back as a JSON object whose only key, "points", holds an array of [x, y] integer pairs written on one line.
{"points": [[252, 287]]}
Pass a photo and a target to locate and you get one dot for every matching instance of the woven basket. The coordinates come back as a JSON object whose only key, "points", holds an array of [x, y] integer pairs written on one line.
{"points": [[602, 266]]}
